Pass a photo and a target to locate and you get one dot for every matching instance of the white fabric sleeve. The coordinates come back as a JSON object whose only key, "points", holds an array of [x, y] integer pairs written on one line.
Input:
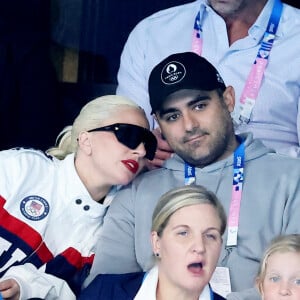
{"points": [[132, 77], [34, 283]]}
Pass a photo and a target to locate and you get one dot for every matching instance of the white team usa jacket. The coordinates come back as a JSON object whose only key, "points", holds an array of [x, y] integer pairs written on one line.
{"points": [[48, 224]]}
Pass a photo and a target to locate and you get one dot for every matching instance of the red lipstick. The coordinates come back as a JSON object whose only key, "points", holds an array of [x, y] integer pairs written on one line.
{"points": [[131, 165]]}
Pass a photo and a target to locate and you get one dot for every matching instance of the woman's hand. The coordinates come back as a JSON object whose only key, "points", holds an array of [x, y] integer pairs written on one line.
{"points": [[10, 289], [162, 153]]}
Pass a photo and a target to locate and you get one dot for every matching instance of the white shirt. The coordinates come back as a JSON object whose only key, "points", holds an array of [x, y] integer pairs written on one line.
{"points": [[275, 118], [148, 287]]}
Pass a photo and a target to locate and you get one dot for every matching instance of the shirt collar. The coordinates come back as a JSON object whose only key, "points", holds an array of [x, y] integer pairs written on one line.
{"points": [[258, 29], [148, 287]]}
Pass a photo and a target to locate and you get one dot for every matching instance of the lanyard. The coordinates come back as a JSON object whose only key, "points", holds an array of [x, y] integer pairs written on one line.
{"points": [[189, 174], [252, 86], [152, 280], [236, 194]]}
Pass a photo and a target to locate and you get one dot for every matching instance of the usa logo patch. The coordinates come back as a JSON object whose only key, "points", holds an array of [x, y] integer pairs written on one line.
{"points": [[34, 208]]}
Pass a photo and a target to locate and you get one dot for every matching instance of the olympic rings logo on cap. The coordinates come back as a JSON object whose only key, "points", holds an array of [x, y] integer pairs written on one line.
{"points": [[173, 72]]}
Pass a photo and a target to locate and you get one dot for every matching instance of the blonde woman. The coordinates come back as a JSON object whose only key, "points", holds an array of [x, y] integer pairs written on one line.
{"points": [[52, 204], [187, 227]]}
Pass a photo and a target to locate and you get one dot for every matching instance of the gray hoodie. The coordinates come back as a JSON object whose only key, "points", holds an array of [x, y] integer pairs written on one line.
{"points": [[270, 206]]}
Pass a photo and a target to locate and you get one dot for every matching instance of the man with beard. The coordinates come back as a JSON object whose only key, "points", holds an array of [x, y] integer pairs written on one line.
{"points": [[248, 41], [258, 188]]}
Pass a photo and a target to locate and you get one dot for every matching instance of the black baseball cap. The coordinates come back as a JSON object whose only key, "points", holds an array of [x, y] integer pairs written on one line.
{"points": [[179, 71]]}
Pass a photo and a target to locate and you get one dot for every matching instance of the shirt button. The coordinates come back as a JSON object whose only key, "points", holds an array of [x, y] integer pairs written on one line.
{"points": [[86, 207], [78, 201]]}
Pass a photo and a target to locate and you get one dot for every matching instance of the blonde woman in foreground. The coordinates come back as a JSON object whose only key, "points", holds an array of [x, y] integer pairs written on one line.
{"points": [[187, 228]]}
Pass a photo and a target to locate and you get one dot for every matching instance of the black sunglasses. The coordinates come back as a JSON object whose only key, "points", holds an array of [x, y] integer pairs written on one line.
{"points": [[131, 136]]}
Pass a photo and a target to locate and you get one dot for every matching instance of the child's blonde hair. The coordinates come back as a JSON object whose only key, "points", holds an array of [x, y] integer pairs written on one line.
{"points": [[282, 243]]}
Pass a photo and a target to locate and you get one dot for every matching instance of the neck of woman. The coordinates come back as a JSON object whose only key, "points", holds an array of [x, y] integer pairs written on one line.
{"points": [[95, 185], [167, 291]]}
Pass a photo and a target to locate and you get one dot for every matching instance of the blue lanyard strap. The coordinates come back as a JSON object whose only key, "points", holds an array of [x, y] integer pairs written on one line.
{"points": [[236, 194], [271, 30], [189, 174], [197, 26], [275, 17]]}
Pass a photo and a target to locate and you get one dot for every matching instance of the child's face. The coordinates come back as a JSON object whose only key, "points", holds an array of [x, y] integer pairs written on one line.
{"points": [[282, 280]]}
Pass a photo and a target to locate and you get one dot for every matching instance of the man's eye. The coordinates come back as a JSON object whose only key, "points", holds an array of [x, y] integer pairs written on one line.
{"points": [[173, 117], [200, 106]]}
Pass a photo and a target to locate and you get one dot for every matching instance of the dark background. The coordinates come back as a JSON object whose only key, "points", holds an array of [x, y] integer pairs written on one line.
{"points": [[104, 28], [35, 103]]}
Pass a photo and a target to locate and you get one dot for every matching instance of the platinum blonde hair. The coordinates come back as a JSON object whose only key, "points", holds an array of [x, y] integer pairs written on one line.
{"points": [[91, 116]]}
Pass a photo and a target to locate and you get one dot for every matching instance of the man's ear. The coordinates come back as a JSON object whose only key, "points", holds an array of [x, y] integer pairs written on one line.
{"points": [[229, 98], [84, 142]]}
